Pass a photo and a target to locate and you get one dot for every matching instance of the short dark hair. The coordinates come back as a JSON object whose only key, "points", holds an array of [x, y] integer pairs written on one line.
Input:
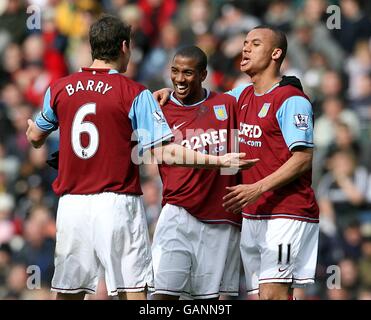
{"points": [[194, 53], [106, 36], [280, 40]]}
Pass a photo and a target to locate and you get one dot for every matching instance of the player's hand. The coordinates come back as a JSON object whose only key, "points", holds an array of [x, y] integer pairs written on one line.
{"points": [[235, 160], [30, 133], [162, 95], [34, 135], [31, 126], [241, 195]]}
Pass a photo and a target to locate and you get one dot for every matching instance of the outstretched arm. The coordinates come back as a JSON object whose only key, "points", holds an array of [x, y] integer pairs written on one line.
{"points": [[245, 194], [176, 155]]}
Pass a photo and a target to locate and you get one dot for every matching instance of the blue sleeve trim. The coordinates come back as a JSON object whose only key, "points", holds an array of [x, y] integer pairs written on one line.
{"points": [[301, 144]]}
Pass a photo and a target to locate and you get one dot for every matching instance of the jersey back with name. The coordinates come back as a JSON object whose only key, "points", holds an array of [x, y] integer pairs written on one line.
{"points": [[92, 108], [204, 127]]}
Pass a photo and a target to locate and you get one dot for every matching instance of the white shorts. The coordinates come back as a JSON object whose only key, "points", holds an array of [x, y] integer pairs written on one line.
{"points": [[278, 250], [194, 259], [99, 233]]}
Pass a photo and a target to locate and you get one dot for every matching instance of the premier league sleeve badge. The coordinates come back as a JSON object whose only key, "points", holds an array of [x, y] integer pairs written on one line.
{"points": [[301, 121]]}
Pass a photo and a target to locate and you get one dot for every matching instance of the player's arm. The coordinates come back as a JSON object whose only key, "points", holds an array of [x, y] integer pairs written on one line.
{"points": [[45, 123], [155, 134], [244, 194], [295, 119], [177, 155], [299, 163]]}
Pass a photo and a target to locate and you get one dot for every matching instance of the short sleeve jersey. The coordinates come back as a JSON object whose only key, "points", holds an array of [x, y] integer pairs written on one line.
{"points": [[99, 113], [270, 127], [204, 127]]}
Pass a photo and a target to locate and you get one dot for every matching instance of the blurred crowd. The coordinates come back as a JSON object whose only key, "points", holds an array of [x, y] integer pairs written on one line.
{"points": [[333, 64]]}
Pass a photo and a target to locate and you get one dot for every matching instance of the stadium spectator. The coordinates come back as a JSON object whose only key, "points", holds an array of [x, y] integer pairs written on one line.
{"points": [[16, 282], [308, 37], [358, 66], [154, 68], [351, 241], [280, 15], [355, 25], [156, 15], [325, 126], [13, 21], [343, 141], [342, 191], [364, 263], [38, 248], [194, 19]]}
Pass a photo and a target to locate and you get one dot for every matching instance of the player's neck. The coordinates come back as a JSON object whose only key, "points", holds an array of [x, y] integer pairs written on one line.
{"points": [[192, 98], [100, 64], [264, 81]]}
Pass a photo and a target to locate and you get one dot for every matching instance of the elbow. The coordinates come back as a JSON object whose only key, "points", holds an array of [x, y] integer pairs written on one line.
{"points": [[304, 164], [307, 165]]}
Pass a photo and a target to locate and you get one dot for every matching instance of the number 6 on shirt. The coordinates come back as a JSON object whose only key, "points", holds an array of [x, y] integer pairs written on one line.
{"points": [[79, 126]]}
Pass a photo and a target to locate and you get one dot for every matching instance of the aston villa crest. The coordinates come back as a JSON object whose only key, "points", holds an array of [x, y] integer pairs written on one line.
{"points": [[264, 110], [221, 112]]}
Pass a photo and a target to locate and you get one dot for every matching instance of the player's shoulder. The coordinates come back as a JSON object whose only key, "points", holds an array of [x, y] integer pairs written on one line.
{"points": [[221, 98], [60, 83], [289, 90], [288, 95], [288, 87], [241, 90], [129, 83]]}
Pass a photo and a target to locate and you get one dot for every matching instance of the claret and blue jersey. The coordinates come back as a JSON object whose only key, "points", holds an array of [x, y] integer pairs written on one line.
{"points": [[205, 127], [271, 126], [100, 112]]}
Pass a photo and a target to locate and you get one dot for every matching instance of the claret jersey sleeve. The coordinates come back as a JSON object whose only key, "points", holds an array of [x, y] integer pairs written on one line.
{"points": [[148, 121]]}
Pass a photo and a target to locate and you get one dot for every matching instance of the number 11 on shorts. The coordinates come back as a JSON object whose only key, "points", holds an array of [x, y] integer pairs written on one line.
{"points": [[281, 253]]}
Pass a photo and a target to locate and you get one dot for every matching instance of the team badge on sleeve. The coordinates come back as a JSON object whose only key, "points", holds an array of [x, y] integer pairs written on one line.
{"points": [[264, 110], [301, 121], [221, 112]]}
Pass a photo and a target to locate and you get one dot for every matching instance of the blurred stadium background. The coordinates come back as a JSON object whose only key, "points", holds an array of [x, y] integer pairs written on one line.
{"points": [[334, 66]]}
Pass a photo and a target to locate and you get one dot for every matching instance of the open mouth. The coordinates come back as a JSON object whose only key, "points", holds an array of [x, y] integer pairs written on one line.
{"points": [[181, 88], [244, 61]]}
